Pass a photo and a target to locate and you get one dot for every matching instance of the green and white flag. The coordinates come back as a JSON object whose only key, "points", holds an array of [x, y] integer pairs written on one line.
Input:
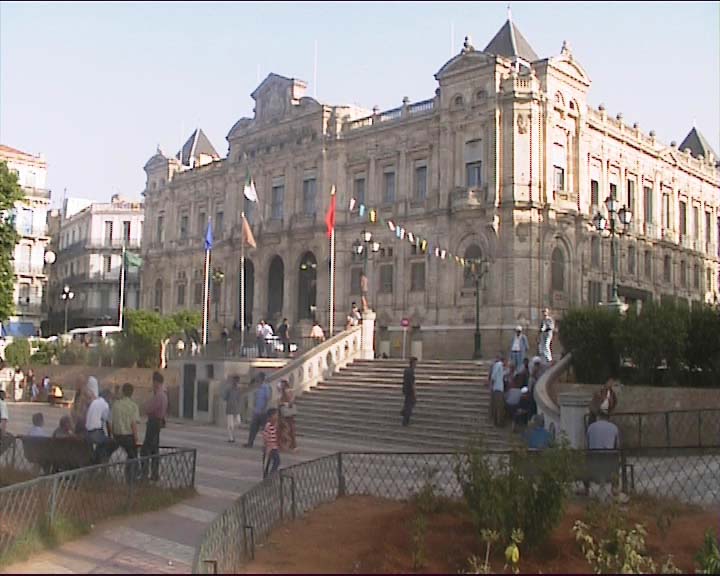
{"points": [[133, 260], [249, 189]]}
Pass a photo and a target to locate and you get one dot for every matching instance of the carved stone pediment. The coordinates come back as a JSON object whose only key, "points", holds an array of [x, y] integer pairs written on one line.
{"points": [[464, 62]]}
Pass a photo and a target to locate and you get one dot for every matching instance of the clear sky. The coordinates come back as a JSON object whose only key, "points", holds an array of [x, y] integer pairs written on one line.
{"points": [[96, 87]]}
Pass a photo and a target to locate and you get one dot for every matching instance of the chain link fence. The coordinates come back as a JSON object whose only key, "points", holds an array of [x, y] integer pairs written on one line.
{"points": [[87, 495], [688, 475]]}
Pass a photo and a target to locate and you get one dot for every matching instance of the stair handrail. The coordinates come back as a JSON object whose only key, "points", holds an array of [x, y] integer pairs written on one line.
{"points": [[545, 404], [310, 367]]}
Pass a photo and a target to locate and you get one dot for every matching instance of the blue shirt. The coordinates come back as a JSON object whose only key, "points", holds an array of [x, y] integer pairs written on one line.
{"points": [[262, 397], [538, 438]]}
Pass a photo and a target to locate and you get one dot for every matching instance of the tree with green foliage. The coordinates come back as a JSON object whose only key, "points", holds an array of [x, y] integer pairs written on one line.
{"points": [[10, 192], [18, 353], [147, 334]]}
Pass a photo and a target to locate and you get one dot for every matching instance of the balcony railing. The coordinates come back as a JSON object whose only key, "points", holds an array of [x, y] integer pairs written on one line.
{"points": [[36, 192], [133, 243], [33, 231], [29, 269], [32, 308]]}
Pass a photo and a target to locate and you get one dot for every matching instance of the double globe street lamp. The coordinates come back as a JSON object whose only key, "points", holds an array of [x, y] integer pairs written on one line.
{"points": [[617, 224], [364, 247], [66, 296]]}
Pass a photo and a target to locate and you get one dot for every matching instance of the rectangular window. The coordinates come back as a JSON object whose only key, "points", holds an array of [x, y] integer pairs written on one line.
{"points": [[666, 211], [359, 189], [613, 191], [218, 224], [389, 187], [107, 263], [594, 293], [631, 195], [473, 174], [683, 218], [420, 182], [558, 179], [184, 226], [181, 295], [648, 264], [309, 193], [126, 231], [278, 198], [198, 295], [160, 231], [667, 269], [696, 277], [386, 279], [355, 273], [631, 261], [683, 274], [647, 203], [417, 277], [594, 193], [202, 224], [696, 222], [108, 232], [708, 280], [104, 299], [708, 228]]}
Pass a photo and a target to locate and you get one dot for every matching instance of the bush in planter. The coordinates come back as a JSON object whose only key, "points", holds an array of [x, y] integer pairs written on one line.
{"points": [[588, 333], [18, 353], [655, 338]]}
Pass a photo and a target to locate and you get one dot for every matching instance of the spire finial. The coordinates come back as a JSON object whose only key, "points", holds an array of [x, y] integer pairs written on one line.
{"points": [[509, 12]]}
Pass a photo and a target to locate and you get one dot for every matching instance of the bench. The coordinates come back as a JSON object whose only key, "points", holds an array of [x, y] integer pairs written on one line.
{"points": [[58, 454]]}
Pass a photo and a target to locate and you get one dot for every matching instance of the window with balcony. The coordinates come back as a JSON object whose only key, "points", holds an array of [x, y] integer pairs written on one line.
{"points": [[386, 279], [559, 160], [682, 217], [557, 271], [708, 230], [667, 269], [359, 189], [126, 231], [631, 194], [473, 163], [558, 179], [595, 252], [107, 264], [308, 197], [417, 277], [108, 232], [647, 204], [696, 223], [666, 211], [648, 264], [420, 182], [594, 194], [277, 200], [181, 295], [184, 221], [388, 187]]}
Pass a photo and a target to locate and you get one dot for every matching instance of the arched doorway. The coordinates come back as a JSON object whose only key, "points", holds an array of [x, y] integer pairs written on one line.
{"points": [[307, 287], [276, 279], [249, 292]]}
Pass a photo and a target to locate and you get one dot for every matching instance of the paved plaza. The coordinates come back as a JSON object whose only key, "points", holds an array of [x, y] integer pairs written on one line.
{"points": [[164, 541]]}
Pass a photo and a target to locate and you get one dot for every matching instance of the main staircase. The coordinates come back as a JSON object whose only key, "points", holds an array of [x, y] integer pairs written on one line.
{"points": [[362, 402]]}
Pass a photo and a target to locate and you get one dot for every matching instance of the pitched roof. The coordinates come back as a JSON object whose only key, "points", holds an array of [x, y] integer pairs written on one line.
{"points": [[509, 42], [197, 144], [697, 144]]}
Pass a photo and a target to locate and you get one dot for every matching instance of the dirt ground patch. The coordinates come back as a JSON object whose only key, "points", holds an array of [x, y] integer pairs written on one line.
{"points": [[367, 535]]}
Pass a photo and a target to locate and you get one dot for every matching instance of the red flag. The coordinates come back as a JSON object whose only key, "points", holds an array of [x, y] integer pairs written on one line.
{"points": [[330, 216]]}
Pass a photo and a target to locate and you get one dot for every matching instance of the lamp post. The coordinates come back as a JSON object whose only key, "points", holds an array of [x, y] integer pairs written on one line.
{"points": [[218, 276], [364, 247], [616, 223], [478, 269], [66, 296]]}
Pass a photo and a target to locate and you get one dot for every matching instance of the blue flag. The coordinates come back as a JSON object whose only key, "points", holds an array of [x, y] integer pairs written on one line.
{"points": [[209, 237]]}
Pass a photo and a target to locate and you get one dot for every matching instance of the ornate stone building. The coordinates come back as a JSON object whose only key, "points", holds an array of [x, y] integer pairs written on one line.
{"points": [[506, 163]]}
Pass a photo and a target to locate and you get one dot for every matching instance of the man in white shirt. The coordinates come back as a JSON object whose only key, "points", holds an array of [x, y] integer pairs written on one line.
{"points": [[268, 335], [604, 435], [497, 385], [96, 422], [260, 338]]}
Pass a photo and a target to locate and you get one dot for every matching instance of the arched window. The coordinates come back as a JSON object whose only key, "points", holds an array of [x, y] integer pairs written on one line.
{"points": [[472, 252], [558, 270], [458, 101], [158, 295]]}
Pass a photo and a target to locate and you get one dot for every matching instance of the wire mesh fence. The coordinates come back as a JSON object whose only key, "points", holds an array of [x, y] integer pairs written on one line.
{"points": [[88, 494], [688, 475]]}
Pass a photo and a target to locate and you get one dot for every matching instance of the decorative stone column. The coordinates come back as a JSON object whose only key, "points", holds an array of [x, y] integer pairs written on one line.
{"points": [[367, 348], [573, 407]]}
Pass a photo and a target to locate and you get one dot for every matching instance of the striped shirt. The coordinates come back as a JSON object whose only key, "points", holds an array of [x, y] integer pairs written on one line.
{"points": [[270, 437]]}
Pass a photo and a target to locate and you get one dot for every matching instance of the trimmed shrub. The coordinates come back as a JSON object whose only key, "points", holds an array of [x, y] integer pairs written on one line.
{"points": [[45, 354], [589, 334], [73, 354], [18, 353]]}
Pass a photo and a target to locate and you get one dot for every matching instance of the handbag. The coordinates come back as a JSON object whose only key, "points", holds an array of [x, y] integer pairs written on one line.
{"points": [[288, 410]]}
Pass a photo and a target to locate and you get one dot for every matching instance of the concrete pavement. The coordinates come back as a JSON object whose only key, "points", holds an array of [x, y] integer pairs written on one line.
{"points": [[164, 541]]}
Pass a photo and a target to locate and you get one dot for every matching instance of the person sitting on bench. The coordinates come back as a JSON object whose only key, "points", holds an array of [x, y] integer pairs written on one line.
{"points": [[37, 430], [603, 435]]}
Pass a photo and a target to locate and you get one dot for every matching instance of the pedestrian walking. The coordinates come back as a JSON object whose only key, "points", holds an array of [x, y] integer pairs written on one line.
{"points": [[263, 395], [547, 327], [288, 411], [125, 416], [156, 411], [232, 399], [284, 335], [260, 338], [271, 452], [409, 391], [497, 385], [519, 347]]}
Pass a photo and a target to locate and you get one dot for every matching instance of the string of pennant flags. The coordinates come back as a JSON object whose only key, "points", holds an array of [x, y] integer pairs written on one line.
{"points": [[401, 233]]}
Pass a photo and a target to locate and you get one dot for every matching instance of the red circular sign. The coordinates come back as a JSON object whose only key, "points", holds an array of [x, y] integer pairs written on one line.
{"points": [[404, 322]]}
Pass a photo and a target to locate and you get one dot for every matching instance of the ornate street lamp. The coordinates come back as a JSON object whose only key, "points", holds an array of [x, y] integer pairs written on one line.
{"points": [[617, 224], [218, 277], [478, 269], [365, 247], [66, 296]]}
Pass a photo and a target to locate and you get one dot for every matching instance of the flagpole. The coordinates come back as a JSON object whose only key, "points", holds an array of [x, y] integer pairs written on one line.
{"points": [[206, 294], [331, 323], [122, 289], [242, 282]]}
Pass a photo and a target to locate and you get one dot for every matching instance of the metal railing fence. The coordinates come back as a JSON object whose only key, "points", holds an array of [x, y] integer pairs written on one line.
{"points": [[669, 429], [689, 475], [86, 495]]}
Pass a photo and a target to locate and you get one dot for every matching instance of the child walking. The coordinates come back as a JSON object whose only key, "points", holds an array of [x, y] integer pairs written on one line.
{"points": [[271, 452]]}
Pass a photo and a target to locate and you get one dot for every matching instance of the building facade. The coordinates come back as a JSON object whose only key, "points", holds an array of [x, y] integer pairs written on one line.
{"points": [[506, 164], [29, 256], [89, 240]]}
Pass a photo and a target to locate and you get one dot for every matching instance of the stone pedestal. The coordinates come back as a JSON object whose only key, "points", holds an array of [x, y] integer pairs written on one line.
{"points": [[367, 347], [573, 407]]}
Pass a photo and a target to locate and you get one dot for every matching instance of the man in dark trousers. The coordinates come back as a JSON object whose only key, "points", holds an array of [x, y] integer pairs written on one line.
{"points": [[409, 391], [283, 334], [156, 411]]}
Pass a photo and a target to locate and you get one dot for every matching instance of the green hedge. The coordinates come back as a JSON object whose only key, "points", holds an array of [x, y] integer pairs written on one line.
{"points": [[663, 345], [18, 353]]}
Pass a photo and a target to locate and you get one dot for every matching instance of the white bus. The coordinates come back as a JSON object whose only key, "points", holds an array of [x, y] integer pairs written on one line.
{"points": [[93, 335]]}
